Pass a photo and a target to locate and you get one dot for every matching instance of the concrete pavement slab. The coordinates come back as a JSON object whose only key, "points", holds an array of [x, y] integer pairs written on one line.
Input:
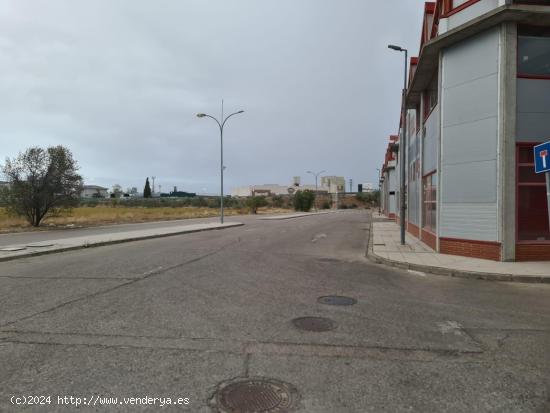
{"points": [[72, 243], [385, 247]]}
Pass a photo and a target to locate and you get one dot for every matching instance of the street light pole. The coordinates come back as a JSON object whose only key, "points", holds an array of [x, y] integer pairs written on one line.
{"points": [[221, 126], [403, 145], [316, 175], [379, 191]]}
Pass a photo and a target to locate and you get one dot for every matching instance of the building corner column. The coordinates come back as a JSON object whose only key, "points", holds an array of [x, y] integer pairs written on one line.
{"points": [[507, 141]]}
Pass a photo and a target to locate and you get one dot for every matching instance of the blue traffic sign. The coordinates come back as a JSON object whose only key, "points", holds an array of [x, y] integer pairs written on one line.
{"points": [[542, 158]]}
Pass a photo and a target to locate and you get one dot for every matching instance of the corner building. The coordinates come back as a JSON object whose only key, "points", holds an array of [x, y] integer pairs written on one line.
{"points": [[477, 103]]}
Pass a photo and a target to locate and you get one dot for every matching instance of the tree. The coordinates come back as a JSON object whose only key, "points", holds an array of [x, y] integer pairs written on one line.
{"points": [[303, 200], [41, 182], [147, 189], [255, 202], [116, 191]]}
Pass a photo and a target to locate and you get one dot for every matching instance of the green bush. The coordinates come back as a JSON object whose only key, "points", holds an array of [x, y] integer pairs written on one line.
{"points": [[326, 205], [304, 200], [255, 202]]}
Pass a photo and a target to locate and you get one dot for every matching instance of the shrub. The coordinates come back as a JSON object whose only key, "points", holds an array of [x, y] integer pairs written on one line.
{"points": [[303, 200], [255, 202]]}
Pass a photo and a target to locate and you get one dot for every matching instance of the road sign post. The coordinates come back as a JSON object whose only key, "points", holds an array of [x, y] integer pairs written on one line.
{"points": [[542, 165]]}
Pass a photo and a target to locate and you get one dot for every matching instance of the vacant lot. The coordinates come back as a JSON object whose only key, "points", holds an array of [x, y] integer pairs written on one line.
{"points": [[101, 215]]}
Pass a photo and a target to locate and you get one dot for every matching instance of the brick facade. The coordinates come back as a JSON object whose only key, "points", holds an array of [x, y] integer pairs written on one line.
{"points": [[532, 252], [429, 239], [470, 248], [413, 230]]}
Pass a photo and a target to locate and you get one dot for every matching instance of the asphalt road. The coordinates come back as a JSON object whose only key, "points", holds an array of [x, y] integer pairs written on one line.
{"points": [[175, 317]]}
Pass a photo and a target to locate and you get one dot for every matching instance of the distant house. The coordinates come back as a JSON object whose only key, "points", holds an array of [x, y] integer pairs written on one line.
{"points": [[94, 191]]}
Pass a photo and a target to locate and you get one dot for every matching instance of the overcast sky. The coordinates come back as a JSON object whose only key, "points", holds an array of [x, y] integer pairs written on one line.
{"points": [[119, 82]]}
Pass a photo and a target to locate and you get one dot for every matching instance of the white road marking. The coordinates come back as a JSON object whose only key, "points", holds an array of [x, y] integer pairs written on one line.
{"points": [[318, 237], [448, 327]]}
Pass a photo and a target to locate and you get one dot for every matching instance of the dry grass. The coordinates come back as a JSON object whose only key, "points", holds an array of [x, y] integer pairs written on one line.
{"points": [[105, 215]]}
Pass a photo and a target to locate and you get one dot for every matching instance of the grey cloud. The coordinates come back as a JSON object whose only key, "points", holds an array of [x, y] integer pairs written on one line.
{"points": [[120, 82]]}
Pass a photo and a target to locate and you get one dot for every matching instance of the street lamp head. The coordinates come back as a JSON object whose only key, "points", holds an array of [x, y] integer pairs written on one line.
{"points": [[397, 48], [240, 111], [200, 115]]}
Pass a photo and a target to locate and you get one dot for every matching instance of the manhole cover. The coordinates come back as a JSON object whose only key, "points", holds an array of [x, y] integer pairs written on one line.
{"points": [[337, 300], [256, 395], [315, 324]]}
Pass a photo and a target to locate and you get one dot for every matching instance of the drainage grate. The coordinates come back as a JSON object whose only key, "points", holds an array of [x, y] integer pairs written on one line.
{"points": [[337, 300], [315, 324], [256, 395]]}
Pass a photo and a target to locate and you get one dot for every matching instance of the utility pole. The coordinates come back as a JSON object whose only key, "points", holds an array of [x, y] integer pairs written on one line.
{"points": [[351, 185], [153, 178]]}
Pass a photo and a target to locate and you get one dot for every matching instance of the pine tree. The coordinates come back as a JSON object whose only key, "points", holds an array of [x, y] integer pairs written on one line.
{"points": [[147, 189]]}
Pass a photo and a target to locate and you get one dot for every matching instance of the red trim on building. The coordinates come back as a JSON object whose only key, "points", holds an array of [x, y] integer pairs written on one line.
{"points": [[413, 229], [429, 238], [487, 250], [534, 77], [460, 8], [391, 215], [532, 252]]}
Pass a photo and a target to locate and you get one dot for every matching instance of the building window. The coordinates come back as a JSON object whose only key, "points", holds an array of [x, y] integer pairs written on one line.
{"points": [[534, 52], [429, 209], [430, 97], [532, 211]]}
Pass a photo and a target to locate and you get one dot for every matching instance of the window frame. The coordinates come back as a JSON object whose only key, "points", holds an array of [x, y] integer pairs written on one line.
{"points": [[519, 146], [531, 31], [431, 229]]}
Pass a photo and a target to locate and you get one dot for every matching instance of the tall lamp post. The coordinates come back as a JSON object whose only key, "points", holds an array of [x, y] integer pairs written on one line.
{"points": [[379, 190], [221, 125], [316, 175], [403, 145]]}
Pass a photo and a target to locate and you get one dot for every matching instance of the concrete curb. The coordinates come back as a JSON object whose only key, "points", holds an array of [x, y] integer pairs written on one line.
{"points": [[115, 241], [277, 218], [449, 272]]}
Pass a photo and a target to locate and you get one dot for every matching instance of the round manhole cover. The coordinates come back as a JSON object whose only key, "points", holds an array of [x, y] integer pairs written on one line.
{"points": [[315, 324], [337, 300], [256, 395]]}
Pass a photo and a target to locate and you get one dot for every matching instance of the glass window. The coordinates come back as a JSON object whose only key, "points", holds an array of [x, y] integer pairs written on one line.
{"points": [[429, 210], [532, 203], [534, 55]]}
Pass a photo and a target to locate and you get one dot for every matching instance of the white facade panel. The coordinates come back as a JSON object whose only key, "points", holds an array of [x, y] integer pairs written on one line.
{"points": [[472, 101], [469, 138], [469, 221], [482, 60], [472, 182], [471, 12], [468, 142]]}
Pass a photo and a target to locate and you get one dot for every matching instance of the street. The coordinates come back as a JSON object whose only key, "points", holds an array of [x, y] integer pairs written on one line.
{"points": [[178, 316]]}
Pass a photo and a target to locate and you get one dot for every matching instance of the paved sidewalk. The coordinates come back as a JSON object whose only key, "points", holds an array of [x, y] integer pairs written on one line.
{"points": [[10, 252], [385, 247]]}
